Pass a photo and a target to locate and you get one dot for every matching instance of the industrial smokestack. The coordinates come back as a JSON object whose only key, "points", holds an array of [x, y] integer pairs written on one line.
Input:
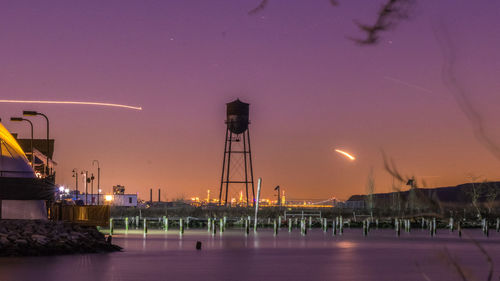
{"points": [[151, 195], [159, 195]]}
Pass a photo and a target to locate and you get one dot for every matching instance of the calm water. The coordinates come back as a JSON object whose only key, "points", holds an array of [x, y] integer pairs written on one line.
{"points": [[289, 256]]}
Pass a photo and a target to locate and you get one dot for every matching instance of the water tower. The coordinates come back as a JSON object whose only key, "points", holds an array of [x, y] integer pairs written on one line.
{"points": [[237, 162]]}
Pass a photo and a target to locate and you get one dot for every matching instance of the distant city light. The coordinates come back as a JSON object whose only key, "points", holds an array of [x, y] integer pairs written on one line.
{"points": [[346, 154], [108, 197], [61, 188]]}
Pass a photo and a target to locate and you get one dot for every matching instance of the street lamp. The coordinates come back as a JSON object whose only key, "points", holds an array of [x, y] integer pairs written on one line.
{"points": [[20, 119], [98, 179], [279, 195], [87, 181], [34, 113], [75, 175], [92, 189]]}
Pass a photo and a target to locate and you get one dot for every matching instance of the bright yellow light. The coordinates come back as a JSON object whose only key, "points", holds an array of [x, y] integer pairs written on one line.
{"points": [[346, 154], [108, 197], [74, 102]]}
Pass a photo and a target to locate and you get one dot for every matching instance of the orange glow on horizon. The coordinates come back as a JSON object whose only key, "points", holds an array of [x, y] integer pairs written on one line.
{"points": [[74, 102]]}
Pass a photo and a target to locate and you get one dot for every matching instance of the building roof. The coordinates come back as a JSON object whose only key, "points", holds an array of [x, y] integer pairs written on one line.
{"points": [[13, 161]]}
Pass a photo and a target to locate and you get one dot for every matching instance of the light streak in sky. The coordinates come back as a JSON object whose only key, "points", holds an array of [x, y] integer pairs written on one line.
{"points": [[346, 154], [408, 84], [73, 102]]}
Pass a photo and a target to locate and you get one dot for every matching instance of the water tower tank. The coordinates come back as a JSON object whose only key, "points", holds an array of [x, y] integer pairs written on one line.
{"points": [[237, 116]]}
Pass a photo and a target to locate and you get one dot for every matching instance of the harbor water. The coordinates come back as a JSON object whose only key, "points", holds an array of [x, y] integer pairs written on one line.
{"points": [[380, 255]]}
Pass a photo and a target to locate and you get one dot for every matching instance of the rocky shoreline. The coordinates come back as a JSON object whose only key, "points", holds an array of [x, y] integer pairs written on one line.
{"points": [[42, 238]]}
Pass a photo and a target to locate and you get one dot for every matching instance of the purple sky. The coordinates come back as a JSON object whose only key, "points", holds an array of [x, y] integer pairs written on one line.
{"points": [[311, 90]]}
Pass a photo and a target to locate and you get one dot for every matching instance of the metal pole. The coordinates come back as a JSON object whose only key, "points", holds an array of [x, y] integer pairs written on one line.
{"points": [[92, 189], [245, 159], [98, 179], [86, 187], [223, 167], [257, 204], [48, 144], [251, 167], [32, 155], [98, 183], [76, 182], [228, 164]]}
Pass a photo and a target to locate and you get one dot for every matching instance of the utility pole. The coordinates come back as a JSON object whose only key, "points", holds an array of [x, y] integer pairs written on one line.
{"points": [[98, 179], [75, 175]]}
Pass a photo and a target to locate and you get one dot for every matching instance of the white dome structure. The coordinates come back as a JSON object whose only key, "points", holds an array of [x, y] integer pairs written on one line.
{"points": [[22, 195], [13, 161]]}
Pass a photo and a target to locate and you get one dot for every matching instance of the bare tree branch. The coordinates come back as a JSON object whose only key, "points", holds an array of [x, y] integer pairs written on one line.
{"points": [[461, 95], [388, 16], [259, 8]]}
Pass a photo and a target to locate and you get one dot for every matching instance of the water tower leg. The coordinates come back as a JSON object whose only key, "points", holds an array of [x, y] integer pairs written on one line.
{"points": [[251, 167], [223, 168], [246, 163], [228, 164]]}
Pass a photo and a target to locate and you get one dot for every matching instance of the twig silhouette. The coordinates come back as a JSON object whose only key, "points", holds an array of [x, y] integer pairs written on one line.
{"points": [[388, 16], [459, 93], [455, 264], [262, 5]]}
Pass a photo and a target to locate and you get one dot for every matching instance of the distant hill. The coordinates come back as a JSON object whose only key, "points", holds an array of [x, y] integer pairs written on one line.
{"points": [[431, 198]]}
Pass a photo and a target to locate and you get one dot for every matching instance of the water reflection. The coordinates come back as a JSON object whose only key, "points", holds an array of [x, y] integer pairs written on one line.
{"points": [[289, 256]]}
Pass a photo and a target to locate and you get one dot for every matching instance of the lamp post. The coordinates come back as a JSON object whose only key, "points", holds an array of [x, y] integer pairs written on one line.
{"points": [[98, 179], [20, 119], [279, 195], [34, 113], [75, 175], [87, 180], [92, 189]]}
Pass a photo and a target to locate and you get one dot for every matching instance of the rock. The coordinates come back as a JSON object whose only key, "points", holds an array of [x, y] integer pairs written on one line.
{"points": [[41, 237]]}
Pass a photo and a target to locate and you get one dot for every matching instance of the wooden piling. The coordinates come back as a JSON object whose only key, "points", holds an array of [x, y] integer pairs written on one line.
{"points": [[111, 226]]}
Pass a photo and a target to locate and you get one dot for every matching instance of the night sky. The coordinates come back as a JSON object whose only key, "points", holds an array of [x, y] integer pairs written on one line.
{"points": [[310, 90]]}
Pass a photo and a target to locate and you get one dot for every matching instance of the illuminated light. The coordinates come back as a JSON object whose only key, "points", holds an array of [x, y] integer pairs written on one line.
{"points": [[66, 190], [108, 197], [61, 189], [38, 175], [346, 154], [74, 102]]}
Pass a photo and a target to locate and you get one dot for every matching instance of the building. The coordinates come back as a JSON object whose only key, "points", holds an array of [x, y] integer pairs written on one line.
{"points": [[41, 149], [22, 194], [119, 189], [125, 200]]}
